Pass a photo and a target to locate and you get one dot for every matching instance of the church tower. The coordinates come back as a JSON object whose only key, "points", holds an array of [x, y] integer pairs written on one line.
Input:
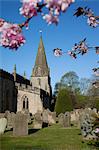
{"points": [[41, 74]]}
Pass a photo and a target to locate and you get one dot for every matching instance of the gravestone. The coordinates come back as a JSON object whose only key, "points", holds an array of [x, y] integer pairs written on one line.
{"points": [[45, 116], [52, 118], [61, 119], [64, 119], [20, 126], [75, 115], [10, 119], [37, 122], [28, 115], [3, 124], [67, 122]]}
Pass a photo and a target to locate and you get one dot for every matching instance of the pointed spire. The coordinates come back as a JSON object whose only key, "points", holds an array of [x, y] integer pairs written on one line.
{"points": [[41, 66]]}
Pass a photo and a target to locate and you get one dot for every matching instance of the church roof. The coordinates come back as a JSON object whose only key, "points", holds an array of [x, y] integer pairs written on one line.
{"points": [[41, 66]]}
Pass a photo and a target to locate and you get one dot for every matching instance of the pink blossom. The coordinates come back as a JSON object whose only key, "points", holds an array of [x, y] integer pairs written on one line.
{"points": [[12, 37], [72, 54], [57, 52], [28, 10], [92, 21], [50, 18], [61, 5], [1, 22]]}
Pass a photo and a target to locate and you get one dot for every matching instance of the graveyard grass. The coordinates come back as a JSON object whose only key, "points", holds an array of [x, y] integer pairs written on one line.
{"points": [[51, 138]]}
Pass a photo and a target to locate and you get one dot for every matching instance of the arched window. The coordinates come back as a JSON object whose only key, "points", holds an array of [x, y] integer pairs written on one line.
{"points": [[25, 102], [27, 105]]}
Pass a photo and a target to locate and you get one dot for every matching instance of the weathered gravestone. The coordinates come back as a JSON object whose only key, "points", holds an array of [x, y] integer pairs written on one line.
{"points": [[75, 117], [87, 119], [51, 118], [20, 126], [26, 112], [37, 122], [48, 117], [67, 122], [64, 119], [45, 115], [10, 120], [3, 124], [61, 119]]}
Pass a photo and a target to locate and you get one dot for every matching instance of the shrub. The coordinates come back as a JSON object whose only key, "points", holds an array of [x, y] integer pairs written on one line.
{"points": [[63, 101]]}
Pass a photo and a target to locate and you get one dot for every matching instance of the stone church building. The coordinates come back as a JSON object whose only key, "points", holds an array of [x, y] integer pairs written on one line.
{"points": [[19, 94]]}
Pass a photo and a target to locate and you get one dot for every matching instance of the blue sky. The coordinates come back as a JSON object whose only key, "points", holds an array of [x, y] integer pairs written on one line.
{"points": [[69, 31]]}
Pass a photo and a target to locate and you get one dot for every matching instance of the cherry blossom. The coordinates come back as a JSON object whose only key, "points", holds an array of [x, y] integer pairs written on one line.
{"points": [[80, 48], [50, 18], [72, 54], [28, 10], [57, 52], [11, 36], [92, 20], [31, 8], [58, 5]]}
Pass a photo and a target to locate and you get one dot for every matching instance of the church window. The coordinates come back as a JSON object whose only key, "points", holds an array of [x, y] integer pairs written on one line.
{"points": [[25, 102]]}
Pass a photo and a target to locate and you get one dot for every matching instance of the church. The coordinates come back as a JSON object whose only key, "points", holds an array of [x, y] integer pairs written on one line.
{"points": [[20, 94]]}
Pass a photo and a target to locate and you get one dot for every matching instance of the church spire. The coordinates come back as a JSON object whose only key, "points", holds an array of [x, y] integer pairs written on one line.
{"points": [[41, 66]]}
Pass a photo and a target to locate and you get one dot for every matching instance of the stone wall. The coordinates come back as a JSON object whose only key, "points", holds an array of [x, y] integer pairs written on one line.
{"points": [[8, 92], [34, 101]]}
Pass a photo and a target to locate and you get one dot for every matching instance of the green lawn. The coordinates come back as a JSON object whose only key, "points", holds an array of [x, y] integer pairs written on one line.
{"points": [[51, 138]]}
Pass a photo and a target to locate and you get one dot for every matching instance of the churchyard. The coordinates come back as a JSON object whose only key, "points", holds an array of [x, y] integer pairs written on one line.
{"points": [[46, 131]]}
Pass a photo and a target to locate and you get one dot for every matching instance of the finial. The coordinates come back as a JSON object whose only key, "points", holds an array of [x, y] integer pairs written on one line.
{"points": [[40, 32]]}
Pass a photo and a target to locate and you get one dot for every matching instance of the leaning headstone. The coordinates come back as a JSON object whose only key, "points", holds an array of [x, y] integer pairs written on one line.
{"points": [[37, 122], [67, 122], [3, 124], [20, 126]]}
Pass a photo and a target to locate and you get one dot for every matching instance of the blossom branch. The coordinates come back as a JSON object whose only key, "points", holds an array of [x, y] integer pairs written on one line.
{"points": [[92, 20], [11, 34]]}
